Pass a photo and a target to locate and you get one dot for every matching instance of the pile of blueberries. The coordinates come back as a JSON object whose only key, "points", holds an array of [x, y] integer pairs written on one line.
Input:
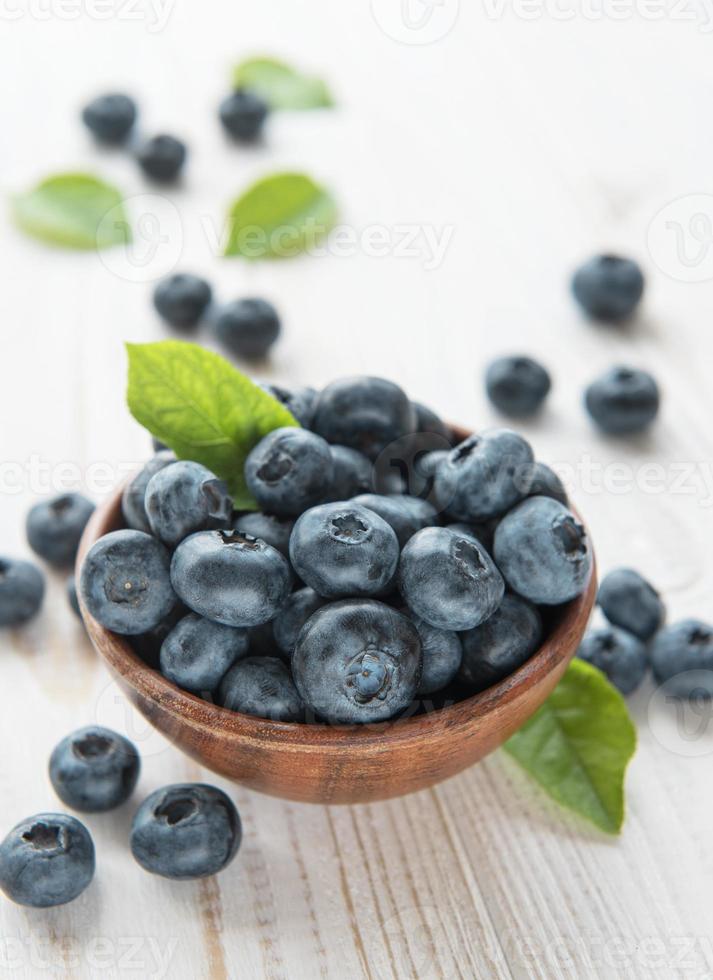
{"points": [[111, 120], [246, 327], [624, 400], [183, 831], [385, 563]]}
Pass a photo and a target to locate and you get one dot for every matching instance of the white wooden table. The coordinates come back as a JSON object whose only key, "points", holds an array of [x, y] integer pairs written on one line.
{"points": [[528, 144]]}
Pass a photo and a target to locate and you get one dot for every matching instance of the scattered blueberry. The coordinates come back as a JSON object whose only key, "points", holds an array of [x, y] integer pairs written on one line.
{"points": [[248, 327], [22, 589], [261, 686], [72, 597], [94, 769], [182, 300], [197, 653], [273, 530], [485, 475], [185, 497], [289, 470], [630, 602], [162, 158], [623, 401], [46, 860], [517, 385], [55, 527], [682, 658], [398, 513], [449, 580], [110, 118], [500, 645], [357, 661], [546, 483], [231, 577], [543, 551], [442, 655], [343, 549], [299, 402], [608, 287], [125, 582], [352, 473], [618, 654], [186, 831], [243, 114], [364, 413], [294, 614], [133, 498]]}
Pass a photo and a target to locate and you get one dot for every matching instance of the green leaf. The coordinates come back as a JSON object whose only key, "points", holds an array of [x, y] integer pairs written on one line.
{"points": [[73, 210], [202, 407], [280, 85], [278, 217], [578, 745]]}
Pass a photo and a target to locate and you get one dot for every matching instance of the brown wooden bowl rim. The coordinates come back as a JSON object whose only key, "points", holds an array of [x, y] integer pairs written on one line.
{"points": [[203, 715]]}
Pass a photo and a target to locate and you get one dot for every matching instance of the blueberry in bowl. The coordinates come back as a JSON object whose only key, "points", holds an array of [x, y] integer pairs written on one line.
{"points": [[339, 652]]}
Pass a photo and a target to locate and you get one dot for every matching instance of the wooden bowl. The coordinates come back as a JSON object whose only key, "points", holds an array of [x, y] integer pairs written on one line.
{"points": [[330, 764]]}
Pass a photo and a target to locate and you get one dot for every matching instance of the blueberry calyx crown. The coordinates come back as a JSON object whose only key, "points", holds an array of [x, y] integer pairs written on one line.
{"points": [[91, 747], [349, 528], [370, 675], [240, 539], [571, 537], [468, 558], [45, 837], [176, 809]]}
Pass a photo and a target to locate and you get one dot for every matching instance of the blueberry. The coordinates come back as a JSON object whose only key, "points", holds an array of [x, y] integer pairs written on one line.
{"points": [[618, 654], [485, 475], [543, 551], [682, 658], [364, 413], [186, 831], [22, 589], [517, 385], [162, 158], [125, 582], [343, 549], [608, 287], [273, 530], [94, 769], [442, 655], [449, 580], [261, 686], [428, 421], [292, 617], [110, 118], [185, 497], [182, 300], [623, 401], [46, 860], [357, 661], [72, 597], [197, 653], [55, 527], [231, 577], [299, 402], [243, 114], [398, 513], [289, 470], [134, 495], [628, 601], [546, 483], [248, 327], [502, 644], [352, 473]]}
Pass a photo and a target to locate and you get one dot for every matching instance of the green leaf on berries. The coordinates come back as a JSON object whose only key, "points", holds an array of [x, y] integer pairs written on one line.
{"points": [[578, 745], [280, 85], [279, 217], [202, 407], [73, 210]]}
